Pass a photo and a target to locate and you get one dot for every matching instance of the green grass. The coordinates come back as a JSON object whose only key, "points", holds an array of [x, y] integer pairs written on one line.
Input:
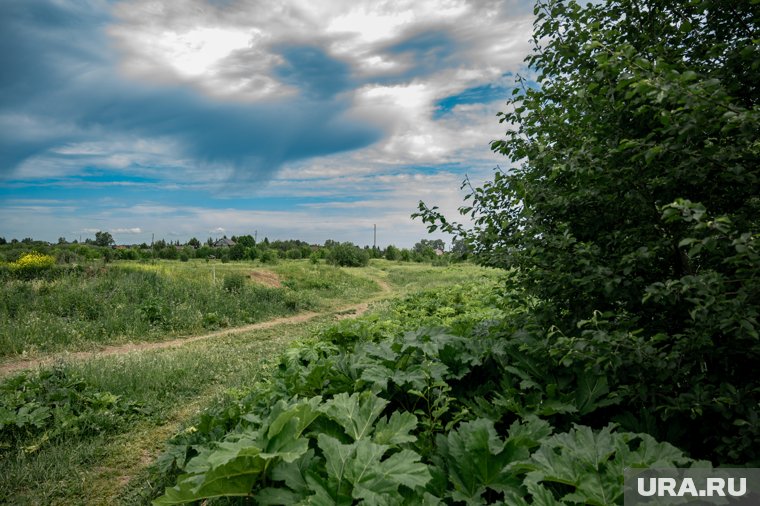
{"points": [[164, 382], [83, 310], [411, 277], [172, 384]]}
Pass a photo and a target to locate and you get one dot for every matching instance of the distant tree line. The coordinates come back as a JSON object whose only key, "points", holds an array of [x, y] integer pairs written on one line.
{"points": [[236, 248]]}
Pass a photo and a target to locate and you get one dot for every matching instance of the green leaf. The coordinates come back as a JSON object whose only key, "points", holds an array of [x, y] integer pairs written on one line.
{"points": [[475, 459], [232, 479], [294, 473], [593, 463], [396, 429], [357, 470], [375, 481], [356, 414], [591, 388]]}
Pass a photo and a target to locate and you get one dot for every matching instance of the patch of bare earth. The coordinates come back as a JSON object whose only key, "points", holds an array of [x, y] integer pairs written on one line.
{"points": [[266, 278]]}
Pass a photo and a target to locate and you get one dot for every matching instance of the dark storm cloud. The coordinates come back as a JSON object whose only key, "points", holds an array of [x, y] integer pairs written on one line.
{"points": [[313, 70], [59, 85]]}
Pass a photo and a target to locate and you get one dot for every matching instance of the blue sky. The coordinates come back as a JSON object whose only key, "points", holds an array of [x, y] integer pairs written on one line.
{"points": [[292, 119]]}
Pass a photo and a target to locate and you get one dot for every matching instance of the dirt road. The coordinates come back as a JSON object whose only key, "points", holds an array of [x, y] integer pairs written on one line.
{"points": [[342, 312]]}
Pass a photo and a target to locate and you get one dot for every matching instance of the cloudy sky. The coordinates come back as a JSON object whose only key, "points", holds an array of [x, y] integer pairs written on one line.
{"points": [[290, 118]]}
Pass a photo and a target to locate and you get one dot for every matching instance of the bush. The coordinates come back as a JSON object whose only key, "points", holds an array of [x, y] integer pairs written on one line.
{"points": [[57, 402], [234, 282], [32, 265], [348, 255], [632, 210], [392, 253], [268, 256]]}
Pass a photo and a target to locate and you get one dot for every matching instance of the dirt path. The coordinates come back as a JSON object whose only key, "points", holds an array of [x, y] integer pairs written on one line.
{"points": [[341, 312]]}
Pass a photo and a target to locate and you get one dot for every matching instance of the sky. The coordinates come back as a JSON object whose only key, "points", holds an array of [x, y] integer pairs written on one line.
{"points": [[288, 119]]}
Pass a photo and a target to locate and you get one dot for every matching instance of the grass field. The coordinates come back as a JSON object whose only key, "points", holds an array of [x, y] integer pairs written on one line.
{"points": [[105, 305], [161, 389]]}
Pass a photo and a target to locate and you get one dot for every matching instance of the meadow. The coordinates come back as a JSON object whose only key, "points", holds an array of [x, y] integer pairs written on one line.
{"points": [[87, 430], [105, 304]]}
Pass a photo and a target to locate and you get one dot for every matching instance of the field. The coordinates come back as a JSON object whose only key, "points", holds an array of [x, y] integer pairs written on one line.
{"points": [[110, 380], [392, 383], [83, 309]]}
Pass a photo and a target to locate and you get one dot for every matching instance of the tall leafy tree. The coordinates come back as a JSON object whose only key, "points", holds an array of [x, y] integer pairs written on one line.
{"points": [[103, 238], [633, 208]]}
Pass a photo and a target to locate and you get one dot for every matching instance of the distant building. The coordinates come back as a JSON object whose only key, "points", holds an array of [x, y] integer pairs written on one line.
{"points": [[224, 243]]}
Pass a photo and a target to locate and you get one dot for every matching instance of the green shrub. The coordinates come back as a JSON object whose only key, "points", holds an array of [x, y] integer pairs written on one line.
{"points": [[31, 265], [234, 282], [348, 255], [57, 402], [392, 253], [268, 256]]}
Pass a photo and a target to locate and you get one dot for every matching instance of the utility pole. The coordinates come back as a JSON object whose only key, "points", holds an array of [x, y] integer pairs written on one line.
{"points": [[374, 237]]}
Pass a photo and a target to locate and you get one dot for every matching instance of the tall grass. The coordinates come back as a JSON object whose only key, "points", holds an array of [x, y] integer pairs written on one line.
{"points": [[82, 309]]}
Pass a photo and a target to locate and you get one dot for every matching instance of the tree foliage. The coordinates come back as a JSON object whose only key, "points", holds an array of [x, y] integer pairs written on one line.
{"points": [[103, 238], [347, 254], [632, 209]]}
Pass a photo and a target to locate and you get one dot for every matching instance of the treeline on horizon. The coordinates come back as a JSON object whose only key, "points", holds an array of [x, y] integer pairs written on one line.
{"points": [[236, 248]]}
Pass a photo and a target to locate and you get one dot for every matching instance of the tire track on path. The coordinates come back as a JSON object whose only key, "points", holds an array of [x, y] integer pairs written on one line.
{"points": [[349, 311]]}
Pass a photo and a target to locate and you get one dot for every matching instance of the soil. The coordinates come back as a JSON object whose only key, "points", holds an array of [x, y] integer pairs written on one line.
{"points": [[267, 278]]}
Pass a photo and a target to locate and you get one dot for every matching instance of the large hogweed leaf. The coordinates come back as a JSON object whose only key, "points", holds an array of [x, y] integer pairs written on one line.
{"points": [[476, 458], [396, 429], [593, 392], [359, 471], [356, 413], [233, 466], [593, 462]]}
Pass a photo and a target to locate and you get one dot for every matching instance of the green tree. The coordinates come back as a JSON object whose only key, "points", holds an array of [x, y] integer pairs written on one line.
{"points": [[195, 243], [392, 253], [103, 239], [237, 252], [347, 254], [460, 250], [633, 213], [426, 245], [246, 240]]}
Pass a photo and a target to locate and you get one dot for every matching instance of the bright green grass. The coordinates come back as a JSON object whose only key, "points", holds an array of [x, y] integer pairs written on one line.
{"points": [[124, 302], [411, 277]]}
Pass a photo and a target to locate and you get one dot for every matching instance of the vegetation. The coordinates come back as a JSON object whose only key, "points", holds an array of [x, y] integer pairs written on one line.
{"points": [[154, 389], [633, 217], [54, 308], [370, 409], [242, 249], [619, 331], [630, 229], [348, 255]]}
